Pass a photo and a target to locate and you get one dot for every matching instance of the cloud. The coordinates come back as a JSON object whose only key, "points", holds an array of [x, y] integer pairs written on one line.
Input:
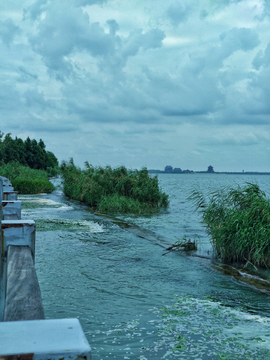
{"points": [[239, 39], [213, 6], [266, 7], [235, 139], [211, 58], [10, 100], [137, 39], [8, 31], [178, 12], [25, 75], [65, 32], [35, 99], [99, 69], [35, 10], [256, 103], [90, 2], [38, 7], [113, 26], [262, 58]]}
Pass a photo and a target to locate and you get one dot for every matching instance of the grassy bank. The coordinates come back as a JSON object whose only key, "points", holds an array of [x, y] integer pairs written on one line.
{"points": [[115, 190], [26, 180], [238, 222]]}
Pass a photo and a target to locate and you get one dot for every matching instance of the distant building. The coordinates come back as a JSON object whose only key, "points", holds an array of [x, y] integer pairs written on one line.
{"points": [[168, 168], [188, 171], [178, 170]]}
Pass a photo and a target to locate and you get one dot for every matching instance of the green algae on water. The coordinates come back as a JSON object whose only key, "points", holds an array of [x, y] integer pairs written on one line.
{"points": [[194, 329], [63, 224], [41, 203]]}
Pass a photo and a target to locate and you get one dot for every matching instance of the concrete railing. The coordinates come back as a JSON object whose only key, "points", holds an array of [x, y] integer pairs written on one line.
{"points": [[24, 334]]}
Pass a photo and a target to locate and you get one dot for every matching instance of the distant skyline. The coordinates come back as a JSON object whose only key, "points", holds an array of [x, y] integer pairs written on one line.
{"points": [[140, 82]]}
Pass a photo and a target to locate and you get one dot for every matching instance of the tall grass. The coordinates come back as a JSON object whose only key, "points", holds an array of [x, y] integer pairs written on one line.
{"points": [[115, 190], [26, 180], [238, 222]]}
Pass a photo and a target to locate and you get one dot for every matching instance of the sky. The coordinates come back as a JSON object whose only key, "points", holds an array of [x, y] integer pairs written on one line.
{"points": [[139, 82]]}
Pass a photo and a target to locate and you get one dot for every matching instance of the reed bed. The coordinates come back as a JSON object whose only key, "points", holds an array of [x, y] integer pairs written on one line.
{"points": [[114, 190], [238, 222]]}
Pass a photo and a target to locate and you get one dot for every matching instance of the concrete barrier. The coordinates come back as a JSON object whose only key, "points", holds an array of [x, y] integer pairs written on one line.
{"points": [[10, 195], [20, 296], [8, 187], [18, 232], [23, 297], [43, 340], [11, 208]]}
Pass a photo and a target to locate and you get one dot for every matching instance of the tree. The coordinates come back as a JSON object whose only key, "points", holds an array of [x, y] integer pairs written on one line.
{"points": [[41, 144], [210, 169], [28, 152]]}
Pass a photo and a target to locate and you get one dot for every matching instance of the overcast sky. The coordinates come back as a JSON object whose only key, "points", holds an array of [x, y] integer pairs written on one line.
{"points": [[140, 82]]}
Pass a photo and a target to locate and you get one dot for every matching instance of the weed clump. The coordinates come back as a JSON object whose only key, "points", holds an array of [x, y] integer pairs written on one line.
{"points": [[26, 180], [238, 222], [115, 190]]}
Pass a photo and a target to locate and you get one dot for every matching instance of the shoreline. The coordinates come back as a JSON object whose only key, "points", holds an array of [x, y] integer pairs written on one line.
{"points": [[184, 172]]}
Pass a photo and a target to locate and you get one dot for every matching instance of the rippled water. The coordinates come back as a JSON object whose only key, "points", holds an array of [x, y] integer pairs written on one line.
{"points": [[135, 303]]}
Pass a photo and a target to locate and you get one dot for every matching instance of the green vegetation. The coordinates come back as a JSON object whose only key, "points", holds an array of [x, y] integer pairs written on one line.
{"points": [[27, 164], [29, 153], [113, 190], [26, 180], [238, 221]]}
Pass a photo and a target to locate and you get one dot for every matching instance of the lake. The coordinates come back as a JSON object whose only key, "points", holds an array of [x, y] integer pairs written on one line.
{"points": [[133, 301]]}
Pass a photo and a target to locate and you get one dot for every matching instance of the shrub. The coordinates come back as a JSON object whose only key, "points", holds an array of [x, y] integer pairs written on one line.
{"points": [[238, 221], [32, 186], [26, 180], [13, 169]]}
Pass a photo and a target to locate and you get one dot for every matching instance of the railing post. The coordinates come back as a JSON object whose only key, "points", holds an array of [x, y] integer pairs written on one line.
{"points": [[1, 198], [10, 195], [20, 297], [43, 340], [2, 260], [11, 209], [18, 232]]}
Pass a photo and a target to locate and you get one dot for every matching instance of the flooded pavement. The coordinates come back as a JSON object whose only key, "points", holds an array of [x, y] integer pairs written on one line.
{"points": [[133, 302]]}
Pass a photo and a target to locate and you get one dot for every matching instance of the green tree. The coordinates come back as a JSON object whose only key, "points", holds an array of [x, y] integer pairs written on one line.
{"points": [[28, 152], [41, 144], [51, 160], [20, 149]]}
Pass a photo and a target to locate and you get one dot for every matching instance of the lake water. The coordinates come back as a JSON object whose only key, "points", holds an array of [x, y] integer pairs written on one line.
{"points": [[136, 303]]}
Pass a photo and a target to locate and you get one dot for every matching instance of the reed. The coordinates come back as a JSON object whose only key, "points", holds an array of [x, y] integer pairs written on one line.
{"points": [[26, 180], [115, 190], [238, 222]]}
